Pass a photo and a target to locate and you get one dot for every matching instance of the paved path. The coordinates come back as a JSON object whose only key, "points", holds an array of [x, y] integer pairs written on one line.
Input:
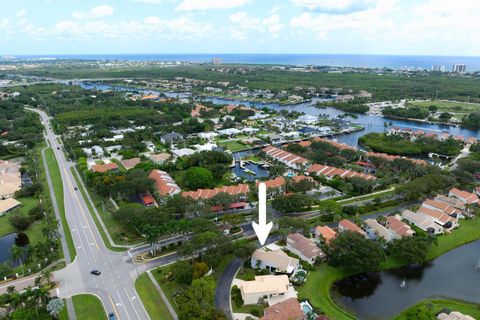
{"points": [[222, 291], [164, 298], [70, 309]]}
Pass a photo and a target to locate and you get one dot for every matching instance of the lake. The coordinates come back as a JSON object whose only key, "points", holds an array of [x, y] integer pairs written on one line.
{"points": [[379, 296], [7, 242]]}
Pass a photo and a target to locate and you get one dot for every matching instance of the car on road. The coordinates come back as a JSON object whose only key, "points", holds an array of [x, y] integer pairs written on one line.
{"points": [[111, 316], [75, 188], [95, 272], [58, 148]]}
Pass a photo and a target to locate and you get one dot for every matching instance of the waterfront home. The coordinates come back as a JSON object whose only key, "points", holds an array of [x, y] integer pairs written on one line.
{"points": [[465, 196], [164, 183], [8, 205], [340, 146], [275, 186], [330, 172], [380, 231], [325, 233], [304, 247], [289, 159], [205, 147], [159, 158], [398, 227], [130, 163], [289, 309], [239, 192], [439, 217], [307, 119], [454, 202], [274, 138], [422, 221], [10, 179], [347, 225], [269, 286], [274, 261], [171, 137], [102, 168]]}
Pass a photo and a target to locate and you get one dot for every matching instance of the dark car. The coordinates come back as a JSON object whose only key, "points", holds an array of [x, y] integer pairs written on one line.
{"points": [[95, 272], [111, 316], [75, 188], [58, 148]]}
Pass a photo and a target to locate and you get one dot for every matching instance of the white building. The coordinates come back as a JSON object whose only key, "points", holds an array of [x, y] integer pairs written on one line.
{"points": [[274, 261], [269, 286]]}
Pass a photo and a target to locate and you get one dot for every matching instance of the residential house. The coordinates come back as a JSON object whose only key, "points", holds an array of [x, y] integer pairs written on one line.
{"points": [[274, 138], [453, 315], [230, 132], [307, 119], [198, 109], [422, 221], [205, 147], [380, 231], [8, 205], [443, 207], [304, 247], [102, 168], [159, 158], [239, 192], [130, 163], [439, 217], [289, 309], [299, 178], [465, 196], [347, 225], [398, 227], [325, 233], [10, 179], [274, 260], [289, 159], [331, 172], [268, 286], [275, 186], [150, 146], [164, 183], [171, 137], [208, 135], [94, 150], [184, 152], [451, 201]]}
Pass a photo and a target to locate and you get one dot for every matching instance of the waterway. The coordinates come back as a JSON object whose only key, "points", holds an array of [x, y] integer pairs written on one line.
{"points": [[379, 295], [6, 244], [371, 123]]}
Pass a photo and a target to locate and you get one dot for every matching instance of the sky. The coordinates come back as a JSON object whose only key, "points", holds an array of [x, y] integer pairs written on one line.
{"points": [[403, 27]]}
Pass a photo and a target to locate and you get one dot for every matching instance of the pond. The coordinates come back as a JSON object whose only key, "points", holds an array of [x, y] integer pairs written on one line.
{"points": [[7, 242], [380, 296]]}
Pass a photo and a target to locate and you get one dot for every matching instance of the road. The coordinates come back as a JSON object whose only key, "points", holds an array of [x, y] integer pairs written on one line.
{"points": [[115, 287]]}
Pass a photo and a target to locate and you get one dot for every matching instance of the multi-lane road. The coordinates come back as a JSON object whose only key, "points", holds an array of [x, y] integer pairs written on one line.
{"points": [[116, 285]]}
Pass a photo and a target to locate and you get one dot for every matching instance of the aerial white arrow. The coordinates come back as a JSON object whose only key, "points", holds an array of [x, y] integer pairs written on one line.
{"points": [[262, 228]]}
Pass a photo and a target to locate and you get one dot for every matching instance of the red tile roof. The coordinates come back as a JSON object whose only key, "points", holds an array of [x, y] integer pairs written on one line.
{"points": [[331, 172], [400, 228], [301, 177], [284, 156], [102, 168], [164, 183], [240, 189], [349, 225], [326, 232], [289, 309], [148, 200], [274, 183], [341, 146]]}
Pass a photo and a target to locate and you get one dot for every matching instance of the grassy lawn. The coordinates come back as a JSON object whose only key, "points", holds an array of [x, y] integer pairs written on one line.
{"points": [[58, 189], [95, 218], [64, 313], [88, 307], [233, 146], [249, 308], [319, 282], [448, 106], [156, 308], [432, 307]]}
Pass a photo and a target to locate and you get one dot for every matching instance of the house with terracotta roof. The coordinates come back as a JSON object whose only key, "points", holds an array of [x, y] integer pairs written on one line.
{"points": [[304, 247], [331, 172], [8, 205], [289, 159], [325, 233], [164, 183], [377, 230], [275, 186], [196, 111], [148, 200], [299, 178], [422, 221], [103, 168], [398, 227], [347, 225], [159, 158], [451, 201], [10, 179], [239, 192], [274, 261], [130, 163], [443, 207], [440, 217], [465, 196], [289, 309]]}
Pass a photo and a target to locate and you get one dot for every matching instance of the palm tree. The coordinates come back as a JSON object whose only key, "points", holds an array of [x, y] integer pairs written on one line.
{"points": [[55, 306], [46, 278], [18, 254]]}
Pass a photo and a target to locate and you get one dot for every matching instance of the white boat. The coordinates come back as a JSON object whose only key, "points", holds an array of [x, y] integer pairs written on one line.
{"points": [[403, 284]]}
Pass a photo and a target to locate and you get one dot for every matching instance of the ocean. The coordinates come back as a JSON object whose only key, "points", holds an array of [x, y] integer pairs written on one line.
{"points": [[340, 60]]}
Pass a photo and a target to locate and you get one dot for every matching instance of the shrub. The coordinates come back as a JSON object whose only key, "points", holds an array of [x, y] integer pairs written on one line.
{"points": [[237, 296], [20, 223]]}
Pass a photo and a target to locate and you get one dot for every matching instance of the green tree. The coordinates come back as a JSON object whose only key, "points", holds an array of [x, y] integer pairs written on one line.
{"points": [[410, 249], [196, 177]]}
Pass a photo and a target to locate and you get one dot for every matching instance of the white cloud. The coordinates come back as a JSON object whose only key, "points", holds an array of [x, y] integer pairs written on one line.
{"points": [[149, 1], [94, 13], [194, 5], [244, 23], [336, 6], [21, 13]]}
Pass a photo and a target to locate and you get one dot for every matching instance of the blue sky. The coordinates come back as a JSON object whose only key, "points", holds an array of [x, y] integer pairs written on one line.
{"points": [[424, 27]]}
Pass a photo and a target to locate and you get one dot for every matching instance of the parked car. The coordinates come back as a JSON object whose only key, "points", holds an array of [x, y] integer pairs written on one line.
{"points": [[95, 272]]}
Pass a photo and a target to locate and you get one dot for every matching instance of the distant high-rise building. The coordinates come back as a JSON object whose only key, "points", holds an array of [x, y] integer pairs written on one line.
{"points": [[439, 68], [459, 68], [216, 61]]}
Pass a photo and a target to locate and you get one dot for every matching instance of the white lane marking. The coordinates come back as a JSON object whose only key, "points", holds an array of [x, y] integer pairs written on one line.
{"points": [[134, 309], [126, 311]]}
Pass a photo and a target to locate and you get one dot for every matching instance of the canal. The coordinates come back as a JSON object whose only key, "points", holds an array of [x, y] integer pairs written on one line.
{"points": [[380, 296]]}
